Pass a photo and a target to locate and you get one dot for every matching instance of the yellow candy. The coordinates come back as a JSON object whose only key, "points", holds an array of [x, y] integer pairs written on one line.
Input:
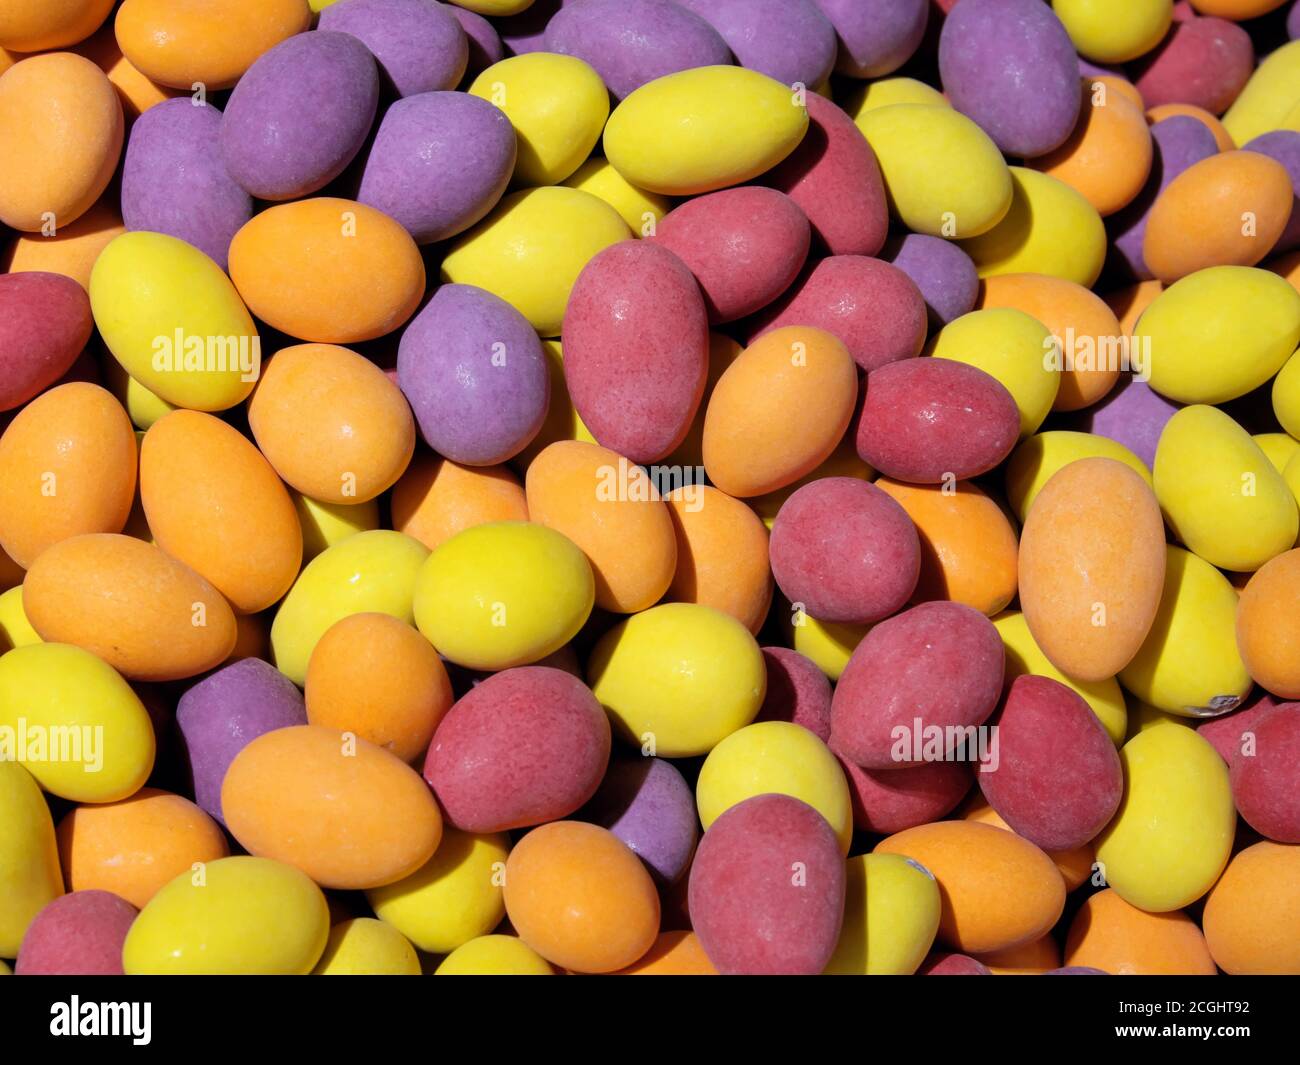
{"points": [[366, 947], [775, 757], [494, 956], [641, 210], [1271, 98], [1189, 663], [371, 571], [667, 135], [325, 524], [29, 857], [5, 970], [1144, 716], [891, 914], [1043, 454], [15, 629], [1114, 31], [232, 917], [1173, 833], [943, 174], [143, 406], [1016, 349], [873, 95], [1291, 475], [1252, 313], [495, 7], [503, 594], [1220, 494], [531, 248], [1286, 396], [74, 723], [678, 678], [557, 105], [1024, 656], [456, 897], [1049, 229], [174, 321], [829, 644], [1279, 447]]}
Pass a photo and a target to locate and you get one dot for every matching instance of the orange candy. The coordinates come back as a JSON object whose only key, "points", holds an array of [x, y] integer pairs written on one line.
{"points": [[134, 846], [1120, 87], [437, 498], [579, 897], [61, 130], [1127, 304], [67, 466], [722, 557], [327, 270], [1078, 318], [216, 504], [73, 249], [184, 42], [1111, 935], [1108, 156], [1227, 210], [611, 509], [673, 954], [376, 676], [1253, 913], [1074, 866], [999, 890], [1268, 625], [968, 547], [40, 25], [145, 614], [347, 813], [1092, 565], [778, 410], [331, 423], [136, 91], [1028, 959]]}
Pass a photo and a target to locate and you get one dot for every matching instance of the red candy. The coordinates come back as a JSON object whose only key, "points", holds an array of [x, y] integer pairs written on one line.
{"points": [[1266, 776], [797, 691], [1204, 62], [79, 934], [953, 965], [44, 325], [886, 801]]}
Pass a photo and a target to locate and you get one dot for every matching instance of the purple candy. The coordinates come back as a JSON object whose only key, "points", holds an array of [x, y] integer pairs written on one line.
{"points": [[797, 691], [647, 804], [223, 713], [475, 375], [526, 31], [943, 272], [439, 163], [300, 114], [1177, 142], [1131, 414], [174, 181], [876, 37], [418, 44], [789, 40], [1293, 21], [1009, 66], [484, 42], [631, 42], [1284, 146]]}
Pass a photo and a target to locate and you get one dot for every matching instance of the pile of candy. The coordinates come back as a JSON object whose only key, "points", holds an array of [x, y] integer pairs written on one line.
{"points": [[649, 486]]}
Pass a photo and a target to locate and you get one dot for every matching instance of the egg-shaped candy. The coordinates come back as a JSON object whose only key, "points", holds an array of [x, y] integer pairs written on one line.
{"points": [[767, 889], [45, 322], [39, 27], [364, 946], [439, 162], [635, 374], [1267, 631], [886, 801], [791, 41], [1110, 934], [944, 274], [1040, 457], [1249, 910], [891, 913], [1264, 775], [29, 859], [437, 498], [418, 45], [175, 181], [876, 37], [497, 955], [647, 804], [78, 934], [1203, 61]]}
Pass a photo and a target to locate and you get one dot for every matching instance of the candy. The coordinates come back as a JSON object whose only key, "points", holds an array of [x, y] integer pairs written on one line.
{"points": [[912, 681], [29, 859], [1267, 634], [78, 934], [783, 873], [45, 325], [662, 137], [943, 272], [1263, 776], [495, 956], [526, 746], [418, 44], [845, 550], [133, 847], [234, 916], [1173, 833], [934, 421], [1249, 910], [347, 813], [375, 676], [366, 947], [647, 804], [39, 27], [455, 897], [580, 898], [1203, 61], [673, 954], [475, 375], [61, 131], [1111, 32], [791, 41], [464, 590], [631, 43], [438, 163], [876, 37], [1119, 938], [436, 498]]}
